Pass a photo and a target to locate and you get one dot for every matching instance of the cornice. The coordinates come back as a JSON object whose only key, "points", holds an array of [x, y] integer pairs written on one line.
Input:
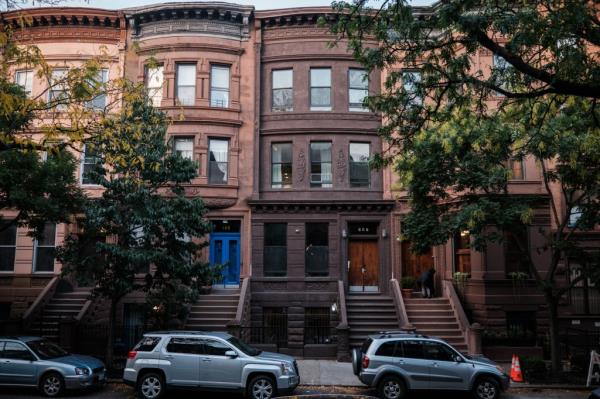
{"points": [[308, 57], [152, 49], [367, 206]]}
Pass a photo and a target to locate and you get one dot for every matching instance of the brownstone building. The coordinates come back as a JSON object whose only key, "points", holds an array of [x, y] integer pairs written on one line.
{"points": [[274, 118]]}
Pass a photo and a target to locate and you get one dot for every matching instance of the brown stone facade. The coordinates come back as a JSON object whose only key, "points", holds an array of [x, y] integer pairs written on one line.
{"points": [[268, 110]]}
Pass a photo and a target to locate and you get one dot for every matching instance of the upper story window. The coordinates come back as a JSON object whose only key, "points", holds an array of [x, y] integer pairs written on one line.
{"points": [[8, 246], [358, 89], [58, 88], [219, 86], [462, 252], [186, 84], [320, 89], [99, 102], [316, 252], [184, 147], [410, 79], [283, 90], [154, 84], [320, 164], [516, 169], [275, 249], [359, 165], [574, 216], [500, 66], [515, 242], [217, 161], [281, 165], [89, 159], [44, 251], [25, 80]]}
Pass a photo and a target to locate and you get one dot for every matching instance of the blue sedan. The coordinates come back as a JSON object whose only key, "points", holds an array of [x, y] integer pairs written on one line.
{"points": [[37, 362]]}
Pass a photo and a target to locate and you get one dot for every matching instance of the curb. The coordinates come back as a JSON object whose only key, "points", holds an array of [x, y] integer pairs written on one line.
{"points": [[516, 385], [327, 395]]}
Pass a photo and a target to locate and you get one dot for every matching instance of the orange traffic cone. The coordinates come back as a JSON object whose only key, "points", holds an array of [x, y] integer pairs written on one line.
{"points": [[515, 370]]}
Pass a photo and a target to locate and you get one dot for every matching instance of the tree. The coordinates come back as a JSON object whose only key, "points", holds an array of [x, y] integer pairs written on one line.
{"points": [[39, 133], [143, 222], [454, 127]]}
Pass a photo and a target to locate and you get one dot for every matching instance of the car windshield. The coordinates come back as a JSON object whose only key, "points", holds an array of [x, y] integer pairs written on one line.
{"points": [[46, 349], [244, 347]]}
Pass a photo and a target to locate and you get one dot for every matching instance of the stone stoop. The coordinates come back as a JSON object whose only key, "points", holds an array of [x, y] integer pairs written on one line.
{"points": [[434, 317], [212, 312], [369, 314]]}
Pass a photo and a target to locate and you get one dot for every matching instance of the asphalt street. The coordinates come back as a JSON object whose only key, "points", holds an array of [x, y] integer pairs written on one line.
{"points": [[120, 391]]}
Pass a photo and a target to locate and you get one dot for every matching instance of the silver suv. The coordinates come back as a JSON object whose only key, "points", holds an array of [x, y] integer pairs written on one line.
{"points": [[398, 361], [206, 361]]}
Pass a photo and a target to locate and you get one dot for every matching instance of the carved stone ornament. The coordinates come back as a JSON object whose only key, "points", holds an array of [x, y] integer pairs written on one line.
{"points": [[341, 166], [301, 165]]}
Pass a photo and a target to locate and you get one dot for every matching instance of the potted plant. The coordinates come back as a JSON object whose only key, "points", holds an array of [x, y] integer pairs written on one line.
{"points": [[209, 276], [407, 283]]}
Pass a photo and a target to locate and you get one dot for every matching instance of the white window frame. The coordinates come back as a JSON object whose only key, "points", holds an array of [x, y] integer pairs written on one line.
{"points": [[154, 81], [310, 99], [82, 163], [353, 107], [28, 73], [60, 88], [36, 245], [103, 79], [182, 139], [281, 87], [213, 102], [227, 172], [416, 100], [192, 101]]}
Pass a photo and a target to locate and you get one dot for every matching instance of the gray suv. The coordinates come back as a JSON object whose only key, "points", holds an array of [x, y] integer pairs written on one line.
{"points": [[398, 361], [206, 361]]}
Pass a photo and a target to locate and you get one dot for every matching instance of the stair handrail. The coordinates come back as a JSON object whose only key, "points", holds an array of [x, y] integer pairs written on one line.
{"points": [[83, 310], [342, 305], [469, 330], [403, 321], [41, 300], [243, 300]]}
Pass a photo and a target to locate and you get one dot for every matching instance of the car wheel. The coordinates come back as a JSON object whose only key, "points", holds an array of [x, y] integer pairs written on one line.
{"points": [[151, 386], [392, 387], [261, 387], [486, 388], [356, 359], [52, 385]]}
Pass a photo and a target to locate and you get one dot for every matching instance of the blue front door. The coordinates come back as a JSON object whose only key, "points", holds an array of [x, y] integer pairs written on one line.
{"points": [[225, 250]]}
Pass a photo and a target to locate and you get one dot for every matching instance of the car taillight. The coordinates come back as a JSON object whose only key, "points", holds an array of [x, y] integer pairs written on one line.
{"points": [[365, 362], [131, 354]]}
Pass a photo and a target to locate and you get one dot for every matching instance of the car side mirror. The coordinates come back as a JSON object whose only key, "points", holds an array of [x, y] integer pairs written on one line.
{"points": [[231, 354], [458, 359]]}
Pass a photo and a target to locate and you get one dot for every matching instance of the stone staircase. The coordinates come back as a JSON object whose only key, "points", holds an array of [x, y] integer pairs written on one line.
{"points": [[63, 305], [212, 312], [368, 314], [434, 317]]}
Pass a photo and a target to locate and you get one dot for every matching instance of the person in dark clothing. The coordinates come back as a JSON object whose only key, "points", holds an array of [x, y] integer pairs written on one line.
{"points": [[425, 280]]}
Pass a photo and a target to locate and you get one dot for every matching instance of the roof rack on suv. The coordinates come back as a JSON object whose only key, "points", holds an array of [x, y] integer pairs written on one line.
{"points": [[173, 332], [397, 332]]}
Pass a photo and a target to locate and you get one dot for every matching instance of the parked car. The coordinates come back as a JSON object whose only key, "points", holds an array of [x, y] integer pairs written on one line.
{"points": [[396, 362], [211, 361], [37, 362]]}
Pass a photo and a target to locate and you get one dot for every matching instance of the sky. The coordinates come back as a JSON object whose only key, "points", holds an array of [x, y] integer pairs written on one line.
{"points": [[259, 4]]}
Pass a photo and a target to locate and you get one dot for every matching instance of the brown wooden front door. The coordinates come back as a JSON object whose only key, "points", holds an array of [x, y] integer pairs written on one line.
{"points": [[413, 264], [364, 264]]}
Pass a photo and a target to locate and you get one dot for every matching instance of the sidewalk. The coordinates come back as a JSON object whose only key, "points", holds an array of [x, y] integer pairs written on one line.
{"points": [[327, 372]]}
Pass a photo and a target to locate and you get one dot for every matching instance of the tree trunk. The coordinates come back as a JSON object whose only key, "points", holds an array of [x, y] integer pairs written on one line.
{"points": [[111, 334], [554, 334]]}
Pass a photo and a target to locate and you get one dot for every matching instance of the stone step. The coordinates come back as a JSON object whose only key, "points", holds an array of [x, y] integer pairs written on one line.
{"points": [[209, 320], [367, 323], [427, 307], [217, 302], [440, 332], [208, 308], [371, 311], [434, 325], [60, 306], [428, 312]]}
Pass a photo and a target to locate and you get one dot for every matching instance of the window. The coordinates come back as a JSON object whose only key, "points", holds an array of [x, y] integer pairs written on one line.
{"points": [[184, 147], [186, 84], [25, 80], [410, 80], [320, 164], [514, 259], [275, 249], [412, 349], [219, 86], [516, 169], [462, 252], [16, 351], [98, 85], [359, 165], [521, 328], [317, 326], [275, 326], [283, 90], [43, 255], [316, 253], [190, 346], [89, 160], [574, 216], [57, 91], [217, 161], [154, 84], [320, 89], [281, 165], [147, 344], [213, 347], [8, 246], [437, 351], [390, 349], [358, 89], [5, 311], [585, 297], [500, 67]]}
